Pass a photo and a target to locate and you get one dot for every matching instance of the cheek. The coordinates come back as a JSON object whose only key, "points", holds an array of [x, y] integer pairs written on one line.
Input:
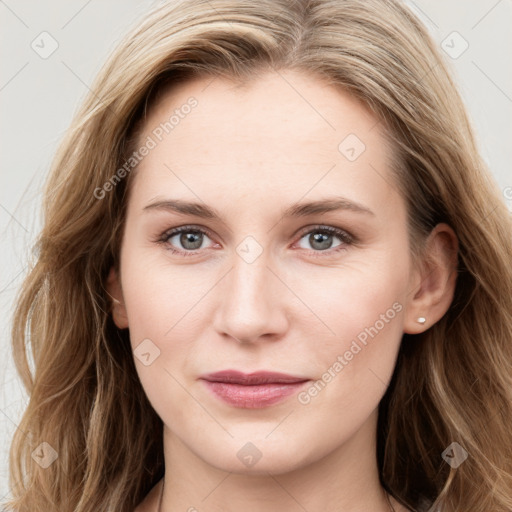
{"points": [[164, 313], [161, 297], [366, 289], [364, 311]]}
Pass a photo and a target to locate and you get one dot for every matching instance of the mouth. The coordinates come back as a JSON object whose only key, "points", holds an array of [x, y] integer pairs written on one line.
{"points": [[252, 391]]}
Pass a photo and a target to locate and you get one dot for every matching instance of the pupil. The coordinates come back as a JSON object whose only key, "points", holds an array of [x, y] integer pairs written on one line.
{"points": [[321, 238]]}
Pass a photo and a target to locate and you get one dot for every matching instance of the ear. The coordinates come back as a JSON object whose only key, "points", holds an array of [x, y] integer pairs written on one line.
{"points": [[433, 284], [116, 294]]}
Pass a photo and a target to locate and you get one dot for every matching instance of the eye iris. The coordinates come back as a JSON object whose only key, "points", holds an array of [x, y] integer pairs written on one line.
{"points": [[321, 238], [192, 237]]}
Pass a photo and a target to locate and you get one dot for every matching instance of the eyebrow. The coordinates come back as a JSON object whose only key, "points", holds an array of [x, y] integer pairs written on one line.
{"points": [[295, 210]]}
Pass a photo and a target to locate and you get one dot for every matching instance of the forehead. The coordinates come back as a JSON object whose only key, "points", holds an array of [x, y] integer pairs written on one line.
{"points": [[272, 103], [288, 131]]}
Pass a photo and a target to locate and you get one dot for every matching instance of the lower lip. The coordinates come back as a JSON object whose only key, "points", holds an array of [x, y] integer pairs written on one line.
{"points": [[253, 397]]}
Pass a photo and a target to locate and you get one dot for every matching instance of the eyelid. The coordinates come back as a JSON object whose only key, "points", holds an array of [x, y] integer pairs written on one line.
{"points": [[187, 227], [342, 233]]}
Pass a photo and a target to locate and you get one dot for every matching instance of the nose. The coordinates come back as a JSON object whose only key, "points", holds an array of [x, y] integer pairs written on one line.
{"points": [[251, 303]]}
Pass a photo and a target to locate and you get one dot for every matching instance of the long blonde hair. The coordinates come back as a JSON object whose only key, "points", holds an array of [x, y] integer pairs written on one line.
{"points": [[453, 383]]}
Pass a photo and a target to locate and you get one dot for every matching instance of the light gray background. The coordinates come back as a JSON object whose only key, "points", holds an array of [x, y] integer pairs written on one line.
{"points": [[38, 97]]}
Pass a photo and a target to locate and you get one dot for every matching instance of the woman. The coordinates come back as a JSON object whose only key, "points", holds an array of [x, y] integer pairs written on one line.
{"points": [[274, 274]]}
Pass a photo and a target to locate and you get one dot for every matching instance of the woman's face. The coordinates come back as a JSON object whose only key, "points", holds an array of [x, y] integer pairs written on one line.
{"points": [[293, 258]]}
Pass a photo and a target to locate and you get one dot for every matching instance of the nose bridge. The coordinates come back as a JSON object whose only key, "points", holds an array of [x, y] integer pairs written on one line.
{"points": [[248, 305], [248, 277]]}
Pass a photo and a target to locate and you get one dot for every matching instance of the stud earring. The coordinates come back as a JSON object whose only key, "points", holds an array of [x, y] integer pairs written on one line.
{"points": [[421, 320]]}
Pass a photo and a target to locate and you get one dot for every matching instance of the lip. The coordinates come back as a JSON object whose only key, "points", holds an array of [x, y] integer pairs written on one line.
{"points": [[252, 390]]}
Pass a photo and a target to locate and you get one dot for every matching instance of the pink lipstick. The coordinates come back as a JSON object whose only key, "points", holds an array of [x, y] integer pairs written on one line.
{"points": [[254, 390]]}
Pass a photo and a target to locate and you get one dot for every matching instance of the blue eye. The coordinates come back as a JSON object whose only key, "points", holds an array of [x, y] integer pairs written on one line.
{"points": [[191, 239], [320, 238]]}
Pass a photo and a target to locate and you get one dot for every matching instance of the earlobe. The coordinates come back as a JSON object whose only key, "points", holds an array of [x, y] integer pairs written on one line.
{"points": [[117, 306], [432, 297]]}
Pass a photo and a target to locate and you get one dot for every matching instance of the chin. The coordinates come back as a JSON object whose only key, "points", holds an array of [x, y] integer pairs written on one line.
{"points": [[258, 457]]}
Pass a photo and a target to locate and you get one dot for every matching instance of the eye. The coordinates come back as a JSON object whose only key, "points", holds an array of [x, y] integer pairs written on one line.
{"points": [[320, 238], [190, 239]]}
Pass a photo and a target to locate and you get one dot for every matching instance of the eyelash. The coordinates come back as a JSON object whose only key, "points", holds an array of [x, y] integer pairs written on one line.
{"points": [[345, 237]]}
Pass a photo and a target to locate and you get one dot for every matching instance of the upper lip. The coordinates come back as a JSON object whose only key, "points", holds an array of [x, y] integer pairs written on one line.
{"points": [[248, 379]]}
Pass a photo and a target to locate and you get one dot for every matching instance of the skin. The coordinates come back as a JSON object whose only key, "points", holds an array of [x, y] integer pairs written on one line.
{"points": [[250, 153]]}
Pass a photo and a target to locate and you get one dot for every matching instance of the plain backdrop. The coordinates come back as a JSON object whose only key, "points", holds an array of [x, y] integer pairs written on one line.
{"points": [[39, 94]]}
